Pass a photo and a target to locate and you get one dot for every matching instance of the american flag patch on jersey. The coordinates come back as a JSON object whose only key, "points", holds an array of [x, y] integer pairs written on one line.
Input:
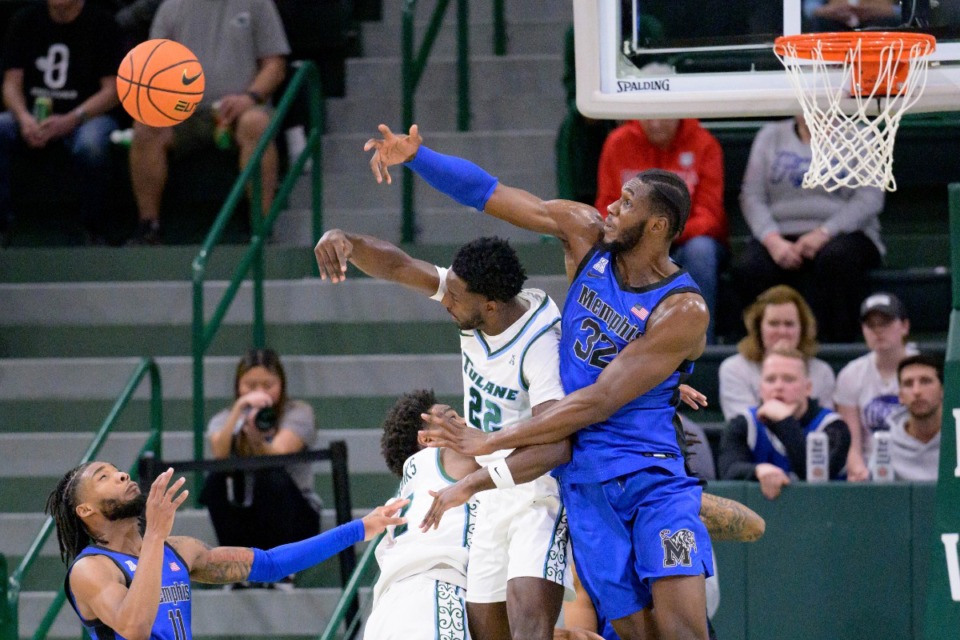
{"points": [[639, 311], [174, 566]]}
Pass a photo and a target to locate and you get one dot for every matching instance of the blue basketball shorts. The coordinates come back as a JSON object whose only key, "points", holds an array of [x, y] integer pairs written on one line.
{"points": [[629, 531]]}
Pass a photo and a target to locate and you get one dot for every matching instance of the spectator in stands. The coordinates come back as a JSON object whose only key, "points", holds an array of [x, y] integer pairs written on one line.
{"points": [[690, 151], [267, 507], [821, 242], [779, 318], [867, 387], [767, 443], [134, 18], [242, 47], [579, 140], [60, 62], [915, 428]]}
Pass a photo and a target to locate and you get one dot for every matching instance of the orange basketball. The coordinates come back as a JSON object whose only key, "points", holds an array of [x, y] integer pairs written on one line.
{"points": [[160, 83]]}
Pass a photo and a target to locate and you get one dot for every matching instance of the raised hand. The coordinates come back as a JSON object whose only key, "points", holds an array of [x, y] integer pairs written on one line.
{"points": [[448, 498], [332, 253], [444, 430], [163, 502], [390, 150], [380, 518]]}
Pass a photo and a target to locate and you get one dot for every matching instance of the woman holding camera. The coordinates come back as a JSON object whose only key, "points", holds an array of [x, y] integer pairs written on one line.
{"points": [[272, 506]]}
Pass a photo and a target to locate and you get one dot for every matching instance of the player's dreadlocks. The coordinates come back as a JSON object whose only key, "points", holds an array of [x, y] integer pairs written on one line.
{"points": [[491, 268], [400, 427], [62, 506]]}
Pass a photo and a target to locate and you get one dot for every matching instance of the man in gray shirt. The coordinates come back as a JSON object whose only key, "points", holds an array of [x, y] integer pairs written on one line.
{"points": [[915, 429], [820, 242], [242, 46]]}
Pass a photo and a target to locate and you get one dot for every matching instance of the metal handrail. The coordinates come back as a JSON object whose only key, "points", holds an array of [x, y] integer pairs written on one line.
{"points": [[252, 260], [413, 64], [9, 629], [349, 595]]}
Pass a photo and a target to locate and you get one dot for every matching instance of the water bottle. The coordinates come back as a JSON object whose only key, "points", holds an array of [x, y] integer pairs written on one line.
{"points": [[121, 137], [222, 135], [882, 467], [818, 457]]}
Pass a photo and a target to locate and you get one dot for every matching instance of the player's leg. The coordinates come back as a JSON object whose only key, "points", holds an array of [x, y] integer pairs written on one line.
{"points": [[250, 127], [539, 553], [488, 620], [418, 608], [533, 607], [672, 548], [603, 552], [487, 570]]}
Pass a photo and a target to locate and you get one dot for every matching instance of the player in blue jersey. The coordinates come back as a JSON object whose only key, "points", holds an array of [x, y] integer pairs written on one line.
{"points": [[633, 323], [125, 581]]}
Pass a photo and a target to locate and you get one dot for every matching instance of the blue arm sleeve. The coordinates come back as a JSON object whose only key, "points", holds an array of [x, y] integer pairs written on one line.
{"points": [[460, 179], [279, 562]]}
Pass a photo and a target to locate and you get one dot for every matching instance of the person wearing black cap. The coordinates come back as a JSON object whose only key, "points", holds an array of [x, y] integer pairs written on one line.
{"points": [[866, 392], [633, 323]]}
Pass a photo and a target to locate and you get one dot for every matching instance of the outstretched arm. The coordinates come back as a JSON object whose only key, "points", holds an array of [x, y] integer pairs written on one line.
{"points": [[727, 519], [376, 258], [576, 225], [675, 333], [222, 565]]}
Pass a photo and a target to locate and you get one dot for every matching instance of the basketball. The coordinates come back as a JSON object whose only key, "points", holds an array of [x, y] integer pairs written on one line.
{"points": [[160, 83]]}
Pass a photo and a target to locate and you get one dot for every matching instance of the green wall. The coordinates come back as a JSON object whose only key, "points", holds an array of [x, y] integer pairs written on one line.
{"points": [[838, 561]]}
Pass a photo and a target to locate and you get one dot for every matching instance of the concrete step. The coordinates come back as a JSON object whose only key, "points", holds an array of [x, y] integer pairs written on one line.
{"points": [[142, 264], [20, 529], [29, 495], [481, 10], [490, 76], [434, 225], [527, 110], [536, 35], [308, 376], [160, 304], [218, 613], [55, 415], [39, 455]]}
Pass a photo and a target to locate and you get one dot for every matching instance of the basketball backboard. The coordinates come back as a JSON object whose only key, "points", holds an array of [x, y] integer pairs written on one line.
{"points": [[714, 58]]}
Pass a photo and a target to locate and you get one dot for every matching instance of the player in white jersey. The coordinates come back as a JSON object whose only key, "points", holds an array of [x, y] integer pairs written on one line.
{"points": [[517, 570], [423, 572]]}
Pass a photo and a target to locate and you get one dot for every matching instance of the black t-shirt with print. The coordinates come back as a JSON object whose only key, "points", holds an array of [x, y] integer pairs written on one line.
{"points": [[63, 61]]}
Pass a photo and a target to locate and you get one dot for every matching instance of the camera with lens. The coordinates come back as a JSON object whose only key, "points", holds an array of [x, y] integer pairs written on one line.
{"points": [[266, 419]]}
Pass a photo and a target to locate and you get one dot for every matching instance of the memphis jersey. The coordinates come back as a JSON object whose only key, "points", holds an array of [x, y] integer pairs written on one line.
{"points": [[601, 316], [173, 614], [504, 376], [441, 552]]}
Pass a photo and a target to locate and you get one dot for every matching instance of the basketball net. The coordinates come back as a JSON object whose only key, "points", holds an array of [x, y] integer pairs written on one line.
{"points": [[883, 72]]}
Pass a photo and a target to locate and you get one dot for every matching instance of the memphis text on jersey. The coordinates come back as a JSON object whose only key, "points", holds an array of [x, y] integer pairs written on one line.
{"points": [[175, 593], [616, 322]]}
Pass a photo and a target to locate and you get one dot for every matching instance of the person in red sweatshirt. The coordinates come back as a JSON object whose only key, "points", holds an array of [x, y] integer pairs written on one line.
{"points": [[690, 151]]}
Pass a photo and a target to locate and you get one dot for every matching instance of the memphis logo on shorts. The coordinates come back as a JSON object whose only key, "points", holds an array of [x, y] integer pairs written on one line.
{"points": [[677, 548]]}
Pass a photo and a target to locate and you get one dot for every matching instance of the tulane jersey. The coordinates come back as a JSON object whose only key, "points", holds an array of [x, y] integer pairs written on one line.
{"points": [[601, 316], [173, 614], [440, 553], [506, 375]]}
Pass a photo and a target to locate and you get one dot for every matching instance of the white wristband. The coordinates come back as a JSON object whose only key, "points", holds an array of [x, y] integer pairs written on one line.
{"points": [[500, 474]]}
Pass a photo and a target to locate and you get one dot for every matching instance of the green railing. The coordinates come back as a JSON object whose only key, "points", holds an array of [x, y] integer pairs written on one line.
{"points": [[367, 560], [414, 62], [9, 607], [252, 260]]}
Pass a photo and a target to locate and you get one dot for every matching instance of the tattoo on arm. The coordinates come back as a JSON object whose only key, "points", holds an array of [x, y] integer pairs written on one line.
{"points": [[222, 565], [729, 520]]}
